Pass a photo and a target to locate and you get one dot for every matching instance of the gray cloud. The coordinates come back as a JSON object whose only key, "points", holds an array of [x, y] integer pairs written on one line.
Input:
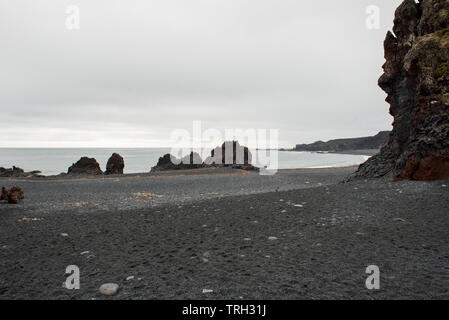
{"points": [[138, 69]]}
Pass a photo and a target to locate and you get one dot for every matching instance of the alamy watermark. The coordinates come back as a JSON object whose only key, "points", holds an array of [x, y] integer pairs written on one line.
{"points": [[72, 21], [373, 280], [73, 280], [372, 21]]}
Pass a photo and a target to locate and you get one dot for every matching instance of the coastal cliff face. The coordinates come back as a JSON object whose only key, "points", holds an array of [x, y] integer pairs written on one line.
{"points": [[416, 79]]}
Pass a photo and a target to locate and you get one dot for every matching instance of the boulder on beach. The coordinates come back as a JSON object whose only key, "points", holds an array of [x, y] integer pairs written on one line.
{"points": [[16, 172], [4, 195], [231, 154], [13, 196], [85, 166], [115, 164], [170, 162]]}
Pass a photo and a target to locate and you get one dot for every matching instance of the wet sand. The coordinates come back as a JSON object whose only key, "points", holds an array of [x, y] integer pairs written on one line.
{"points": [[297, 235]]}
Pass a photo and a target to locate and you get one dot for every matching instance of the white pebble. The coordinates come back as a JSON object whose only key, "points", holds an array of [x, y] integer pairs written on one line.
{"points": [[109, 289], [84, 252], [299, 205], [272, 238], [207, 291], [64, 234], [129, 278]]}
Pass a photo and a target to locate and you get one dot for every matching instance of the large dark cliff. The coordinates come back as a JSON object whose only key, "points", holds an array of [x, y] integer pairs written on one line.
{"points": [[416, 79]]}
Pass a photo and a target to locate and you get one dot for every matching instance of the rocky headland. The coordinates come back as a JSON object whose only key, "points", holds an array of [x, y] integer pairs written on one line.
{"points": [[338, 145], [416, 79]]}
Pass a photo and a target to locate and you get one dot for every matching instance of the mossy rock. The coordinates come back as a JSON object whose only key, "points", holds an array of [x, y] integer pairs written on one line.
{"points": [[430, 53]]}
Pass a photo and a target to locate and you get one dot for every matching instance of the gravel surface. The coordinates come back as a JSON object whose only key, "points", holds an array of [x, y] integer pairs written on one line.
{"points": [[147, 190], [311, 242]]}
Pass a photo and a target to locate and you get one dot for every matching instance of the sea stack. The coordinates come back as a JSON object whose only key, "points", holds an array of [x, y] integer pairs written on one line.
{"points": [[85, 165], [115, 164], [231, 154], [416, 79]]}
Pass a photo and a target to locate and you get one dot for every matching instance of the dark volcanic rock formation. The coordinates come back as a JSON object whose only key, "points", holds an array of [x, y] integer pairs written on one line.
{"points": [[85, 166], [13, 196], [4, 195], [170, 162], [231, 154], [16, 172], [375, 142], [115, 164], [416, 79]]}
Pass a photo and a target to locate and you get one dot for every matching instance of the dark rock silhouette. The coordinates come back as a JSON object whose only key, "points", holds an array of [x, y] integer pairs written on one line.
{"points": [[374, 142], [4, 195], [231, 154], [16, 172], [85, 166], [170, 162], [115, 164], [13, 196], [416, 79]]}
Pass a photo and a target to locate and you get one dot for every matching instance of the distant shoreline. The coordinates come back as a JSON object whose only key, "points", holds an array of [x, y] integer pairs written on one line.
{"points": [[357, 152], [361, 152]]}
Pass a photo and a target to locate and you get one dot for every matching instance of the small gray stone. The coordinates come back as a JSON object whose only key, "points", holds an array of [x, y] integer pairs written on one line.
{"points": [[109, 289]]}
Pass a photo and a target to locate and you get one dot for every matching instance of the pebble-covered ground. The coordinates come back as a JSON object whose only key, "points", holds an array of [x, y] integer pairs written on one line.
{"points": [[313, 239], [136, 191]]}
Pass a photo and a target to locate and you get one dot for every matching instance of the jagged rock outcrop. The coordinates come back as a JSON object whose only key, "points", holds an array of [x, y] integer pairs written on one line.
{"points": [[85, 165], [16, 172], [13, 196], [416, 79], [115, 164], [170, 162], [374, 142], [231, 154]]}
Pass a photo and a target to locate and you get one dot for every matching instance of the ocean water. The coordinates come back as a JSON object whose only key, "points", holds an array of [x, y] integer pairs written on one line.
{"points": [[53, 161]]}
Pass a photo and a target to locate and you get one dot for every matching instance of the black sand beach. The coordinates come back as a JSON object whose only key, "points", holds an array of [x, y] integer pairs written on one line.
{"points": [[297, 235]]}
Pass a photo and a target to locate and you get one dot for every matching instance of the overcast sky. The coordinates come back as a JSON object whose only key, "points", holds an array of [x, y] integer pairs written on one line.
{"points": [[138, 69]]}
